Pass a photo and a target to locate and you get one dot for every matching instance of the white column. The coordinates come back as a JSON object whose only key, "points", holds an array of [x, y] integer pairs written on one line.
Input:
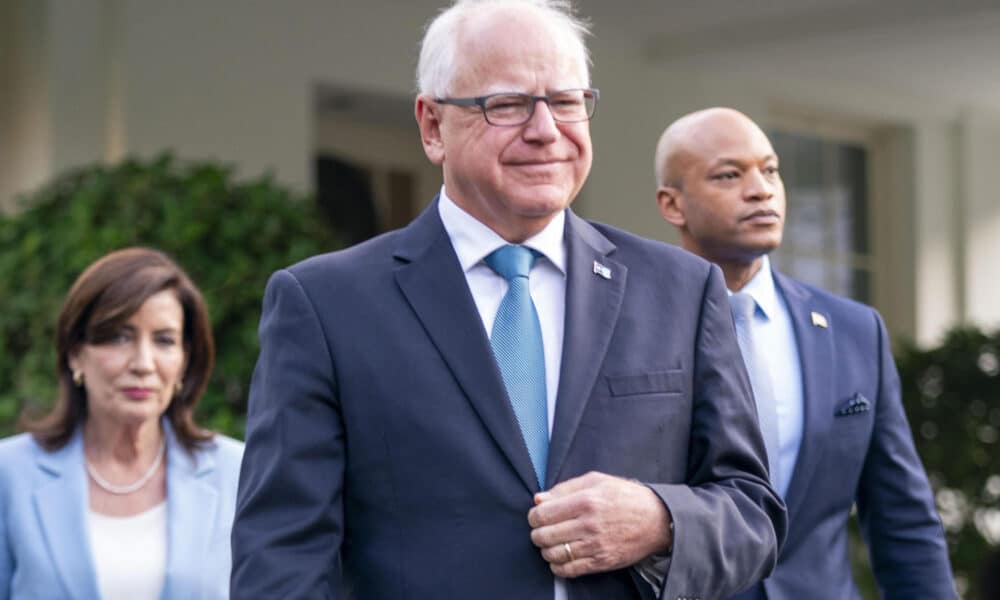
{"points": [[61, 105], [980, 156], [937, 204], [25, 152]]}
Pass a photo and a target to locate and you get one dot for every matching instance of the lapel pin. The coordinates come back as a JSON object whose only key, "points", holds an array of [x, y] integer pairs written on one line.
{"points": [[819, 320], [602, 270]]}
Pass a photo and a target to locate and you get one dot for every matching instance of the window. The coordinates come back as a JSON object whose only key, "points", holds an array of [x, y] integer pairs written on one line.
{"points": [[826, 240]]}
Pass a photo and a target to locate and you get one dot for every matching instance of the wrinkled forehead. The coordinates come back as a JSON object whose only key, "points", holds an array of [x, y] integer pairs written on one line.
{"points": [[499, 42]]}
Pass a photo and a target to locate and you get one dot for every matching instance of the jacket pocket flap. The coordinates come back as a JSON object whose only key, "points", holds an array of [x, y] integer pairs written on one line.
{"points": [[659, 382]]}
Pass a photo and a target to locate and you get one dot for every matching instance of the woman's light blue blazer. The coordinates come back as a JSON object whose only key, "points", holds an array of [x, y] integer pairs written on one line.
{"points": [[44, 543]]}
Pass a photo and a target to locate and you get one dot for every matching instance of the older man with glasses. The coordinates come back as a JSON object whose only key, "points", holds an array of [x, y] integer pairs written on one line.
{"points": [[502, 400]]}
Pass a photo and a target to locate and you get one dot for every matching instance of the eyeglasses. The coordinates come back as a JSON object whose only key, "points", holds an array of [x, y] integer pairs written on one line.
{"points": [[510, 109]]}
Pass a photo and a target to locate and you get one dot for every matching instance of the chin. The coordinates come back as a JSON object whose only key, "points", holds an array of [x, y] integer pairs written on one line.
{"points": [[544, 200], [142, 412], [763, 244]]}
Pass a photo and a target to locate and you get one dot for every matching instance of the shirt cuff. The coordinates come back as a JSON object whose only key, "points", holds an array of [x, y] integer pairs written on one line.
{"points": [[653, 569]]}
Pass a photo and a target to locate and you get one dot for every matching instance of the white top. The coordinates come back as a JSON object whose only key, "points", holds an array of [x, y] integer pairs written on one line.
{"points": [[473, 241], [130, 553]]}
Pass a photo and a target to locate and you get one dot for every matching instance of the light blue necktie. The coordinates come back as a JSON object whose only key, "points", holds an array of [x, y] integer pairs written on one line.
{"points": [[517, 346], [754, 354]]}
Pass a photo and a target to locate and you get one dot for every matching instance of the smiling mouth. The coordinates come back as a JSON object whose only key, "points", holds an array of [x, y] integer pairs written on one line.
{"points": [[541, 162]]}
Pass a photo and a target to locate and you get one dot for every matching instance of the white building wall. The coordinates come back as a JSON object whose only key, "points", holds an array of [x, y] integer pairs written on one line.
{"points": [[235, 80], [78, 60]]}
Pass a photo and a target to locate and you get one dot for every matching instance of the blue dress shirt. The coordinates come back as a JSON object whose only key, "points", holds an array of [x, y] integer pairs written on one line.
{"points": [[772, 327]]}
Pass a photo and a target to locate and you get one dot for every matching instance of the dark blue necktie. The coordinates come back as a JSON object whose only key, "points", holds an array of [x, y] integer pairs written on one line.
{"points": [[517, 346], [744, 306]]}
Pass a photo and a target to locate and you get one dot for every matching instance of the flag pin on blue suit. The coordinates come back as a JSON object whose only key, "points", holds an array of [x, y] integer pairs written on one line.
{"points": [[819, 320], [602, 270]]}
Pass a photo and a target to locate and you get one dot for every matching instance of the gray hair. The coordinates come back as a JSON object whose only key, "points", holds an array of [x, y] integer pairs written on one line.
{"points": [[437, 65]]}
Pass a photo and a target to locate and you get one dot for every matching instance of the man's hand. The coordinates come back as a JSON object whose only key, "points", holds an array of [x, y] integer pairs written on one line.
{"points": [[596, 523]]}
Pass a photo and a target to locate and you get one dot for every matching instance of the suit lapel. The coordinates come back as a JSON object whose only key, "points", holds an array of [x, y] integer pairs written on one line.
{"points": [[592, 305], [61, 506], [815, 345], [192, 509], [432, 281]]}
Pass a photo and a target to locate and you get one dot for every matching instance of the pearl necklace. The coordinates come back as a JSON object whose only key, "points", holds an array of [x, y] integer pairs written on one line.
{"points": [[121, 490]]}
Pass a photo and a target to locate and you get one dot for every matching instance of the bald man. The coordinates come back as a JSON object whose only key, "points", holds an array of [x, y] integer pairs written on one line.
{"points": [[824, 379]]}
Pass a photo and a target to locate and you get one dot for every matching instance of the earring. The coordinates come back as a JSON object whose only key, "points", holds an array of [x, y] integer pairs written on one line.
{"points": [[178, 386], [78, 378]]}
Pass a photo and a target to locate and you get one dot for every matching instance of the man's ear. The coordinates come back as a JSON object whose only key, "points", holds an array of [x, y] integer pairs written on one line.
{"points": [[429, 121], [670, 201]]}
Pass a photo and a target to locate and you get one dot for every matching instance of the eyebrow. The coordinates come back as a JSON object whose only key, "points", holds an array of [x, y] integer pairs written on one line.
{"points": [[161, 330], [732, 162], [167, 330]]}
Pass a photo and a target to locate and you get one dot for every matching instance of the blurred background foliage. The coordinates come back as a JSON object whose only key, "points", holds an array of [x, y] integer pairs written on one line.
{"points": [[952, 397], [228, 235], [231, 235]]}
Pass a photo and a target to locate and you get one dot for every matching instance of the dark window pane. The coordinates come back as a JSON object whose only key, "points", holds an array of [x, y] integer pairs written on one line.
{"points": [[861, 286], [826, 227]]}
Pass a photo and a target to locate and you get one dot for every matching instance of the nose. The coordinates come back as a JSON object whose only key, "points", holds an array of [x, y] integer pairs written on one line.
{"points": [[142, 356], [758, 187], [541, 127]]}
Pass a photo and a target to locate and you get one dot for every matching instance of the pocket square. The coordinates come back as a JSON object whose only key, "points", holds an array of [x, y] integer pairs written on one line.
{"points": [[855, 404]]}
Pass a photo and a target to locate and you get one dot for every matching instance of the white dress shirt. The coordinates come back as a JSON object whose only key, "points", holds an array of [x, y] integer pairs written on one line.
{"points": [[772, 329], [473, 241]]}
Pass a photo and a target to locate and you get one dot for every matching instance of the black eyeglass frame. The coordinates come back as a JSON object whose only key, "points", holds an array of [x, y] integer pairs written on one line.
{"points": [[480, 101]]}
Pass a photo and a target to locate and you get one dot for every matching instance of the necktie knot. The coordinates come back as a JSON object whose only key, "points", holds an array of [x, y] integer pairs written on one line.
{"points": [[511, 261], [743, 305]]}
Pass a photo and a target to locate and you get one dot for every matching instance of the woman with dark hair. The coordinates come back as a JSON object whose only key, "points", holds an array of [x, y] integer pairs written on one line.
{"points": [[117, 493]]}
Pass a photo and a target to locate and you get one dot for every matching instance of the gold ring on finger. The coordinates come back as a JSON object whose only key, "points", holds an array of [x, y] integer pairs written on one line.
{"points": [[569, 552]]}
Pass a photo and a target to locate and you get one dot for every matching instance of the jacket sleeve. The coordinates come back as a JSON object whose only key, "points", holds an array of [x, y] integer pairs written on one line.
{"points": [[895, 502], [289, 522], [728, 521], [6, 559]]}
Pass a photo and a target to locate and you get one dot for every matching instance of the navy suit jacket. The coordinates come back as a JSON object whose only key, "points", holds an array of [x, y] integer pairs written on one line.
{"points": [[384, 460], [856, 448]]}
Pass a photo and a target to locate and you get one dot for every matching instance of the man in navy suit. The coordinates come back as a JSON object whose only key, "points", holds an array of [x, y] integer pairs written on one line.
{"points": [[396, 450], [828, 383]]}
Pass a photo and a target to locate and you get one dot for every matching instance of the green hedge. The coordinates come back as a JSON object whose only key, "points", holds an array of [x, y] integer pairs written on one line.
{"points": [[229, 236], [952, 398]]}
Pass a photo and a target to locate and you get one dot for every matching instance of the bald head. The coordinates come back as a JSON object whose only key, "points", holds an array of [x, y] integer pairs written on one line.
{"points": [[694, 134], [718, 183]]}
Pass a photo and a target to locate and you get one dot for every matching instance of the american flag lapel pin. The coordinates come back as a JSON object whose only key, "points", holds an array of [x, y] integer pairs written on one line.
{"points": [[602, 270]]}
